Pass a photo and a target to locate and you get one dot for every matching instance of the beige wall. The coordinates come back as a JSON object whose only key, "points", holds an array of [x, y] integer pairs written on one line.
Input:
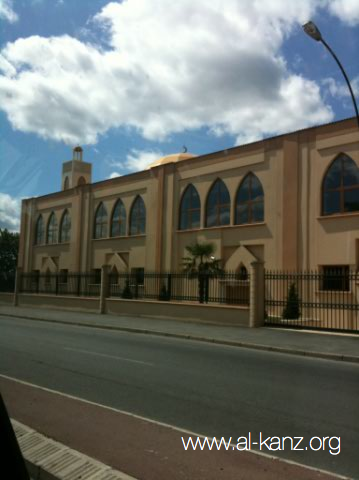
{"points": [[332, 239], [208, 313], [80, 304], [293, 235]]}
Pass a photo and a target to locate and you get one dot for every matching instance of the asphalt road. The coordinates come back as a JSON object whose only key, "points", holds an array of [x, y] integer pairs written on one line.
{"points": [[209, 389]]}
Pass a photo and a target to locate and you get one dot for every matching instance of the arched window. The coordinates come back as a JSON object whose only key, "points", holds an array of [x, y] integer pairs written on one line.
{"points": [[218, 205], [340, 191], [66, 183], [100, 230], [118, 223], [190, 209], [138, 217], [39, 233], [52, 229], [65, 227], [81, 181], [242, 273], [249, 201]]}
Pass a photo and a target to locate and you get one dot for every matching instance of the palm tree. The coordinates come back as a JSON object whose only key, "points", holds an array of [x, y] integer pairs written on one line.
{"points": [[201, 262], [201, 259]]}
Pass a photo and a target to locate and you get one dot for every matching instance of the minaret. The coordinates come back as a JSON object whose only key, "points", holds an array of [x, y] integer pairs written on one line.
{"points": [[76, 171]]}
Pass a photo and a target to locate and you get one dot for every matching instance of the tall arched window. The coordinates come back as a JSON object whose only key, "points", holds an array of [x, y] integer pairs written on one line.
{"points": [[190, 209], [81, 181], [100, 230], [340, 190], [118, 223], [51, 236], [65, 227], [66, 183], [249, 201], [39, 233], [218, 205], [138, 217]]}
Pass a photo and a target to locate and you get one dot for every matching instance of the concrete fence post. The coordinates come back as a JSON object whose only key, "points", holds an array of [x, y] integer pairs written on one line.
{"points": [[104, 291], [18, 274], [256, 307]]}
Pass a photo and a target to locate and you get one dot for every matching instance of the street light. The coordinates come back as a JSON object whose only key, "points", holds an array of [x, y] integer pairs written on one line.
{"points": [[313, 31]]}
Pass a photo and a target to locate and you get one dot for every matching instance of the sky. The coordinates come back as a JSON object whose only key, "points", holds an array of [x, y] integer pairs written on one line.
{"points": [[133, 80]]}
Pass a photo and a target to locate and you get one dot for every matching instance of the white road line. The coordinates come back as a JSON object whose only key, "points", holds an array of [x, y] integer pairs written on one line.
{"points": [[88, 352], [172, 427]]}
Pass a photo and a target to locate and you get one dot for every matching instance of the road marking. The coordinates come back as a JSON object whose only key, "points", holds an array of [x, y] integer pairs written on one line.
{"points": [[88, 352], [172, 427]]}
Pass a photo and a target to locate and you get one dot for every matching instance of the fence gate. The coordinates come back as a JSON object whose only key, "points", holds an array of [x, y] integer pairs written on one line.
{"points": [[326, 300]]}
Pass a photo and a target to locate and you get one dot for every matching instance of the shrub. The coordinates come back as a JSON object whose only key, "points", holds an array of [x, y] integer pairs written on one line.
{"points": [[292, 310], [126, 293], [164, 295]]}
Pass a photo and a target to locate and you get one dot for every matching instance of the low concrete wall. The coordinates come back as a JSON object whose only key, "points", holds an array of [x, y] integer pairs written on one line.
{"points": [[225, 314], [81, 304], [7, 298]]}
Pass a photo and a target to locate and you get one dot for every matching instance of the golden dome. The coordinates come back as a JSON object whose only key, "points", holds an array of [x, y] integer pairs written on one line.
{"points": [[174, 158]]}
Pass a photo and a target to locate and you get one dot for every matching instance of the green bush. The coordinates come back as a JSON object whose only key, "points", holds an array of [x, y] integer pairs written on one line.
{"points": [[163, 296], [126, 293], [292, 310]]}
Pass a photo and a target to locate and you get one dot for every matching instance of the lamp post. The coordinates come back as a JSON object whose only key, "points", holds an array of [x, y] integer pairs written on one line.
{"points": [[313, 31]]}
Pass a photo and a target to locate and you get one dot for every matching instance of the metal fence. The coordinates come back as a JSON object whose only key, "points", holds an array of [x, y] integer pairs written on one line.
{"points": [[7, 282], [221, 288], [315, 300], [74, 284]]}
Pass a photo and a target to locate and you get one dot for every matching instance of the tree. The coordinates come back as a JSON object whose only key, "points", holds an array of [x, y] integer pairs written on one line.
{"points": [[9, 246], [292, 310], [201, 259], [202, 262]]}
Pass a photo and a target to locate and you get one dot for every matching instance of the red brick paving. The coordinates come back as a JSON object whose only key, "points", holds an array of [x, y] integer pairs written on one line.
{"points": [[137, 447]]}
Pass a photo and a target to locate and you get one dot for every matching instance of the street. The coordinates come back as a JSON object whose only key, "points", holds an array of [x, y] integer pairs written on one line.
{"points": [[212, 390]]}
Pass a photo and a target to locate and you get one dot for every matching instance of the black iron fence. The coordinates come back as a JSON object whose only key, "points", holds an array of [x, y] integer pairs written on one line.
{"points": [[7, 282], [317, 300], [74, 284], [222, 288]]}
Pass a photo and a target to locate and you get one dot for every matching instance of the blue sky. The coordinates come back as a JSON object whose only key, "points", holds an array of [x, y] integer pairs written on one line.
{"points": [[134, 80]]}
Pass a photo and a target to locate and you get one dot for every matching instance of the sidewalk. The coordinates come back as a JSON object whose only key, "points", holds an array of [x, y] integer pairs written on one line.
{"points": [[47, 459], [326, 345]]}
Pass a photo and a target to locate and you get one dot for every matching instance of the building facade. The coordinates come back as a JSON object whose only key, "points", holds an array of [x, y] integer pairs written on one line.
{"points": [[291, 201]]}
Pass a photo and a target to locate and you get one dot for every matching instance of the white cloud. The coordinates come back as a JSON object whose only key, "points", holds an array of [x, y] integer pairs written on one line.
{"points": [[6, 67], [346, 10], [9, 212], [7, 12], [169, 67], [139, 160], [135, 161], [340, 89], [115, 175]]}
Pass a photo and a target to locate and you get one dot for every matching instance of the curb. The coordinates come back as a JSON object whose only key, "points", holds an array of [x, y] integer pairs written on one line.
{"points": [[47, 459], [229, 343]]}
